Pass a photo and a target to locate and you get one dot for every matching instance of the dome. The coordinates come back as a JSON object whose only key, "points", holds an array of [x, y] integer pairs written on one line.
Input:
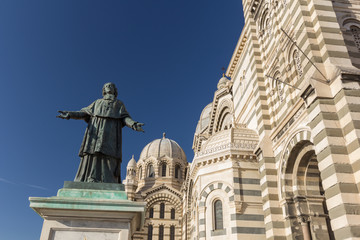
{"points": [[204, 119], [131, 163], [223, 82], [163, 147]]}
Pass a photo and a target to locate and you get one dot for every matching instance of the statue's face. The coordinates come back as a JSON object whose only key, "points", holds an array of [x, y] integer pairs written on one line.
{"points": [[109, 88]]}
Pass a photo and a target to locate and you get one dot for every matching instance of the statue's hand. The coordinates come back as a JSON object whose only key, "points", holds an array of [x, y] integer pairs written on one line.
{"points": [[63, 115], [138, 127]]}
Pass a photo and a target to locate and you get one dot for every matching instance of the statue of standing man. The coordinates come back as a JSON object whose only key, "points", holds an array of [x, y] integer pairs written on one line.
{"points": [[100, 151]]}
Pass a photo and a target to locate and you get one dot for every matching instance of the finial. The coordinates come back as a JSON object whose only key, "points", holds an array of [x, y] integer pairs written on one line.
{"points": [[133, 156], [164, 135], [223, 74]]}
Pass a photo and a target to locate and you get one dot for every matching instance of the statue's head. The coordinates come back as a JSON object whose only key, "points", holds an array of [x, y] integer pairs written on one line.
{"points": [[109, 88]]}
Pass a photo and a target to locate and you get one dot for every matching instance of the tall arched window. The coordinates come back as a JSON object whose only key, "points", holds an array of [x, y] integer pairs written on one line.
{"points": [[151, 212], [297, 63], [162, 210], [172, 233], [218, 215], [140, 172], [265, 23], [278, 85], [173, 213], [177, 171], [161, 232], [268, 25], [163, 169], [355, 31], [150, 232], [151, 172], [190, 194]]}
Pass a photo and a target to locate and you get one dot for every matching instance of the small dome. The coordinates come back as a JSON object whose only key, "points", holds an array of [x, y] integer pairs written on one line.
{"points": [[131, 163], [204, 119], [223, 82], [163, 147]]}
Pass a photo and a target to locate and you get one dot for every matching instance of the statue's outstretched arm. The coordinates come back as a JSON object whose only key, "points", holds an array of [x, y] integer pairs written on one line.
{"points": [[133, 124], [73, 115]]}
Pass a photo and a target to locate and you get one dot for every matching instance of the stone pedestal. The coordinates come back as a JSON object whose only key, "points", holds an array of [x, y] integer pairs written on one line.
{"points": [[89, 211]]}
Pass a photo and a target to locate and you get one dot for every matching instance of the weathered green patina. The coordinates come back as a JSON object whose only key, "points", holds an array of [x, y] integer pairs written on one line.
{"points": [[88, 196], [100, 151]]}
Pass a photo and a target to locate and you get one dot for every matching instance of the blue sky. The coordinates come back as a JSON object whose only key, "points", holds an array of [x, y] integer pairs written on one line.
{"points": [[164, 56]]}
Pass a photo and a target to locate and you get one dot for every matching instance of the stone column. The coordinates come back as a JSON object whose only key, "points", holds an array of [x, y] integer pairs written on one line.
{"points": [[305, 228]]}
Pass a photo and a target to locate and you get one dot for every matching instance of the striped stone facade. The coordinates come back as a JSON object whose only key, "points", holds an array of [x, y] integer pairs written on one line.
{"points": [[225, 170], [277, 151], [295, 81]]}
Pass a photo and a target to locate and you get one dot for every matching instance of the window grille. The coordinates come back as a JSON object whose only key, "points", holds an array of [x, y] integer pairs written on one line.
{"points": [[162, 210], [297, 61], [161, 232], [218, 215], [150, 232], [163, 169], [173, 213], [140, 172], [177, 171], [172, 233], [355, 31], [151, 213], [151, 172]]}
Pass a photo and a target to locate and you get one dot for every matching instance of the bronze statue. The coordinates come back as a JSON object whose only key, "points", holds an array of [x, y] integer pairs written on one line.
{"points": [[100, 151]]}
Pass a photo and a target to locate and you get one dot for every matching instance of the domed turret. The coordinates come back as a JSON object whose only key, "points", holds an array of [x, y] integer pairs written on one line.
{"points": [[130, 181], [131, 163], [223, 82]]}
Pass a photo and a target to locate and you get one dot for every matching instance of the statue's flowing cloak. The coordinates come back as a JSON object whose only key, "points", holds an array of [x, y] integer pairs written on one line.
{"points": [[106, 118]]}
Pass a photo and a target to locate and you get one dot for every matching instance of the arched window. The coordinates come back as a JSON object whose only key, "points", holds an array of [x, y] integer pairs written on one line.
{"points": [[140, 172], [190, 194], [297, 63], [161, 232], [162, 210], [150, 232], [268, 25], [355, 31], [163, 169], [173, 213], [172, 233], [265, 23], [151, 172], [177, 171], [151, 212], [218, 215], [278, 85]]}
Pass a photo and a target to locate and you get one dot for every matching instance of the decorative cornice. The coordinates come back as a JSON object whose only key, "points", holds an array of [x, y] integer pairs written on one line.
{"points": [[209, 160], [159, 188], [244, 145], [233, 65], [255, 7]]}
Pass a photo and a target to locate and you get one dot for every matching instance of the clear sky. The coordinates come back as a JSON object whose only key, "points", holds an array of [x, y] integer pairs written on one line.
{"points": [[165, 57]]}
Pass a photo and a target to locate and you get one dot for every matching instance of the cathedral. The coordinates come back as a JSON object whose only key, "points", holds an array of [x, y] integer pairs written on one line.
{"points": [[277, 149]]}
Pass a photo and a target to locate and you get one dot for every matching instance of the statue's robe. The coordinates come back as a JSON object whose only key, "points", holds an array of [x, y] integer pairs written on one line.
{"points": [[100, 150]]}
